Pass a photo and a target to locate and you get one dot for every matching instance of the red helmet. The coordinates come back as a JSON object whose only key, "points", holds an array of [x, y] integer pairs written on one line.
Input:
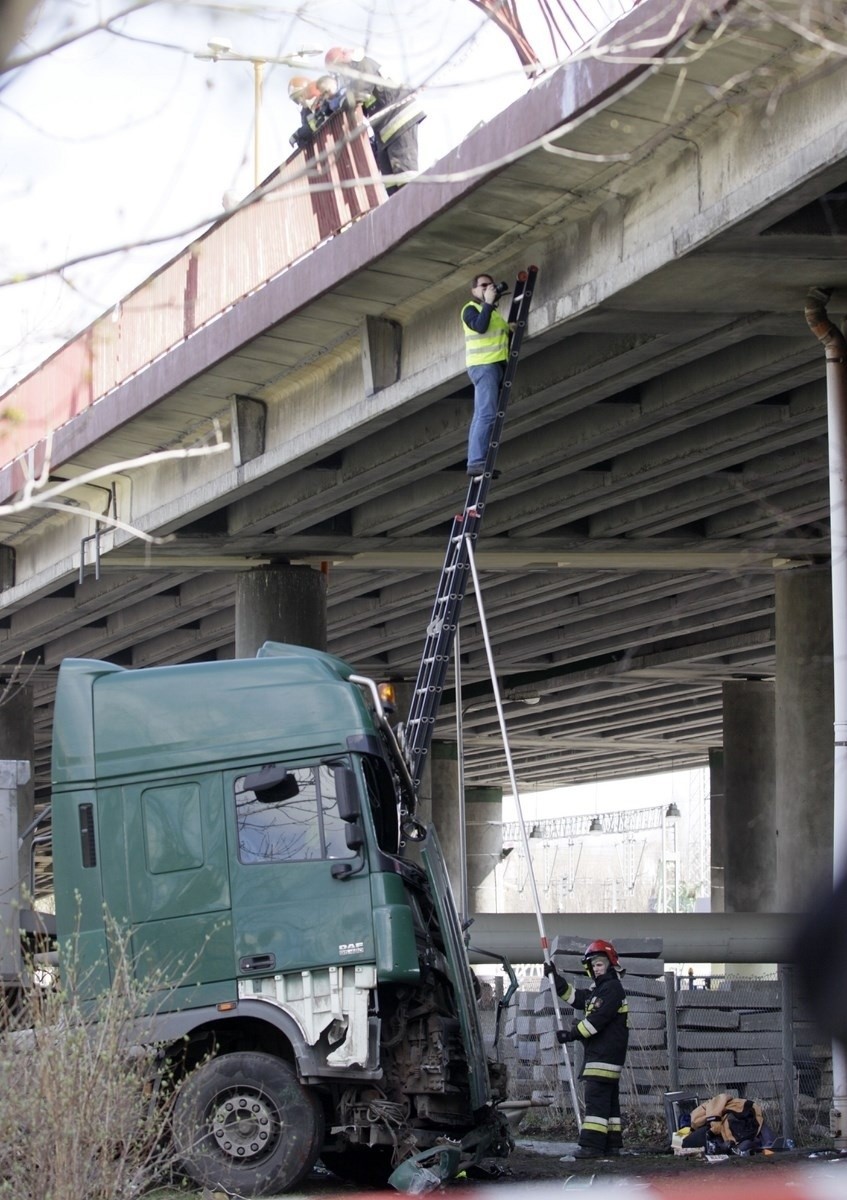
{"points": [[301, 89], [337, 54], [601, 947]]}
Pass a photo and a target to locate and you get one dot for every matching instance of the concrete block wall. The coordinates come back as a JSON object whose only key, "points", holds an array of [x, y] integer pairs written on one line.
{"points": [[730, 1037]]}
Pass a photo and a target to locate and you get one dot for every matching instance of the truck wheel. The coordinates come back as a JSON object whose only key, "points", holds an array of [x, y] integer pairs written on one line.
{"points": [[243, 1123], [367, 1166]]}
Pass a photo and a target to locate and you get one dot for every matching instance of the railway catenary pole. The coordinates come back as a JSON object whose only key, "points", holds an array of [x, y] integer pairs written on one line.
{"points": [[835, 349]]}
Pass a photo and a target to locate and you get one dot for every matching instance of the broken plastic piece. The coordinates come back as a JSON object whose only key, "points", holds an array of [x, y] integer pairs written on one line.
{"points": [[426, 1171]]}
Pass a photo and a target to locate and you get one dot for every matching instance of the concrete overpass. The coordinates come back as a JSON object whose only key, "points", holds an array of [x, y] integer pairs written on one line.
{"points": [[665, 458]]}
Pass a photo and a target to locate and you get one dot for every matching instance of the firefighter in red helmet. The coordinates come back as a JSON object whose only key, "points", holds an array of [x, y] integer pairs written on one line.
{"points": [[392, 110], [604, 1034], [305, 94]]}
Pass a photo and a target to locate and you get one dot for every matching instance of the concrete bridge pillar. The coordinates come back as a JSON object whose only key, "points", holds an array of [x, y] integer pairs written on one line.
{"points": [[749, 789], [280, 604], [804, 735], [444, 808], [717, 826], [484, 824], [482, 837], [17, 740]]}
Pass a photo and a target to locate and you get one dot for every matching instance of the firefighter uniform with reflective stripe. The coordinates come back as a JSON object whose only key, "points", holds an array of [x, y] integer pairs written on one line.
{"points": [[393, 113], [604, 1033]]}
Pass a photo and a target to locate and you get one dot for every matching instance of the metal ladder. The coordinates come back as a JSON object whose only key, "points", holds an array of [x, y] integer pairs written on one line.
{"points": [[441, 630]]}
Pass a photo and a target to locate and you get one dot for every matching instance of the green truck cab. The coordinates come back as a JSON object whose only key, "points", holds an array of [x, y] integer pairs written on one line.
{"points": [[240, 823]]}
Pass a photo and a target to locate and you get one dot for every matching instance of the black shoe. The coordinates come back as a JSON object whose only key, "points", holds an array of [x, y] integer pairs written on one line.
{"points": [[588, 1152], [475, 469]]}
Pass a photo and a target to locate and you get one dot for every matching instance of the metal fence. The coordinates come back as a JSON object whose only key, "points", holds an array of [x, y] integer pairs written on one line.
{"points": [[696, 1035], [311, 197]]}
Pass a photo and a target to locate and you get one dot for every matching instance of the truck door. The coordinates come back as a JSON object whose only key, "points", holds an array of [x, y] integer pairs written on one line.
{"points": [[164, 865], [300, 886]]}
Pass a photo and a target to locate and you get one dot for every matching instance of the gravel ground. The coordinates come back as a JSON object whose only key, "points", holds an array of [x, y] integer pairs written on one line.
{"points": [[539, 1159]]}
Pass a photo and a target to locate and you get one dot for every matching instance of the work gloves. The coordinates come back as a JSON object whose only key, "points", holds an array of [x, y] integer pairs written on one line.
{"points": [[566, 1035], [559, 981]]}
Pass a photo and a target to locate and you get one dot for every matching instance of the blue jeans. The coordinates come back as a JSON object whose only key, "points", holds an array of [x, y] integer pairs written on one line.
{"points": [[486, 382]]}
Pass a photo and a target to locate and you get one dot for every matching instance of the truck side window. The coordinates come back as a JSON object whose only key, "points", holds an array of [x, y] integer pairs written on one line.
{"points": [[297, 828]]}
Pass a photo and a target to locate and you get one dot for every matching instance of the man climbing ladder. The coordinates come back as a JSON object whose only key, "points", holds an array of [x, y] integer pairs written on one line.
{"points": [[441, 631], [486, 355]]}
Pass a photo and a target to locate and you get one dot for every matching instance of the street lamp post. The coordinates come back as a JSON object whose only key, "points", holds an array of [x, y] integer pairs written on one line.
{"points": [[258, 72], [220, 50]]}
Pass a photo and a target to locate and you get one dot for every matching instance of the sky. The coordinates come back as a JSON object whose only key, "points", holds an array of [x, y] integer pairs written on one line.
{"points": [[126, 136]]}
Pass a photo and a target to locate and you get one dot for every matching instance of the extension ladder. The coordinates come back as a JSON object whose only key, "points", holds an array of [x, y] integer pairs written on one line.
{"points": [[441, 630]]}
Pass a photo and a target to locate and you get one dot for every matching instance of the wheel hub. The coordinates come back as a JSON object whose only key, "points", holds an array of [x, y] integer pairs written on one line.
{"points": [[243, 1125]]}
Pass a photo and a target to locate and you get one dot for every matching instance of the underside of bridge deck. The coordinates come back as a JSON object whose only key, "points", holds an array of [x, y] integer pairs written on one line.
{"points": [[665, 452]]}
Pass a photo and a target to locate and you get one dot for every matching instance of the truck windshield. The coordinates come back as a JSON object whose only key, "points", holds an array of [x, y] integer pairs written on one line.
{"points": [[292, 821]]}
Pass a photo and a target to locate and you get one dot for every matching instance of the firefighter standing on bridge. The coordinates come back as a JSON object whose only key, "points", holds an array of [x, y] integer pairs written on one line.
{"points": [[604, 1034], [305, 94], [392, 111]]}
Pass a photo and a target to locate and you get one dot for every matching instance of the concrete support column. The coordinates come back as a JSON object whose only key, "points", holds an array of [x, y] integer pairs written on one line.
{"points": [[749, 785], [445, 815], [484, 823], [481, 839], [17, 740], [717, 828], [280, 604], [804, 735]]}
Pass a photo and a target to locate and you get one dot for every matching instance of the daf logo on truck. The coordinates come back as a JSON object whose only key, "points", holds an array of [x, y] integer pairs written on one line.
{"points": [[347, 948]]}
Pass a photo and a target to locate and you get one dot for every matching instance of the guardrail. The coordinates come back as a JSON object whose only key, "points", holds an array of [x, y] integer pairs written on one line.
{"points": [[314, 195]]}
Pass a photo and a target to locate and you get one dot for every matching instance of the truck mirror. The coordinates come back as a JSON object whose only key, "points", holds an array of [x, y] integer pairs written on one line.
{"points": [[355, 839], [272, 785], [353, 836], [347, 794]]}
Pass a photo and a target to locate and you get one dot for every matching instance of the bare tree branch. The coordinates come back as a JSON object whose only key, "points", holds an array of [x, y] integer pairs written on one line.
{"points": [[23, 60], [34, 497]]}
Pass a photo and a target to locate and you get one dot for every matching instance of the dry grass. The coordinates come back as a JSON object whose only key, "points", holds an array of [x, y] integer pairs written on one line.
{"points": [[79, 1114]]}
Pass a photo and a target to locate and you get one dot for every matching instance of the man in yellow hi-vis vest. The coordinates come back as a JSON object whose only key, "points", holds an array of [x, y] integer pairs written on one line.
{"points": [[486, 354]]}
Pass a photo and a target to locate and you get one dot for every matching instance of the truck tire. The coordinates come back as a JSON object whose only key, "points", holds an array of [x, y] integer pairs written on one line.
{"points": [[243, 1123], [367, 1166]]}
